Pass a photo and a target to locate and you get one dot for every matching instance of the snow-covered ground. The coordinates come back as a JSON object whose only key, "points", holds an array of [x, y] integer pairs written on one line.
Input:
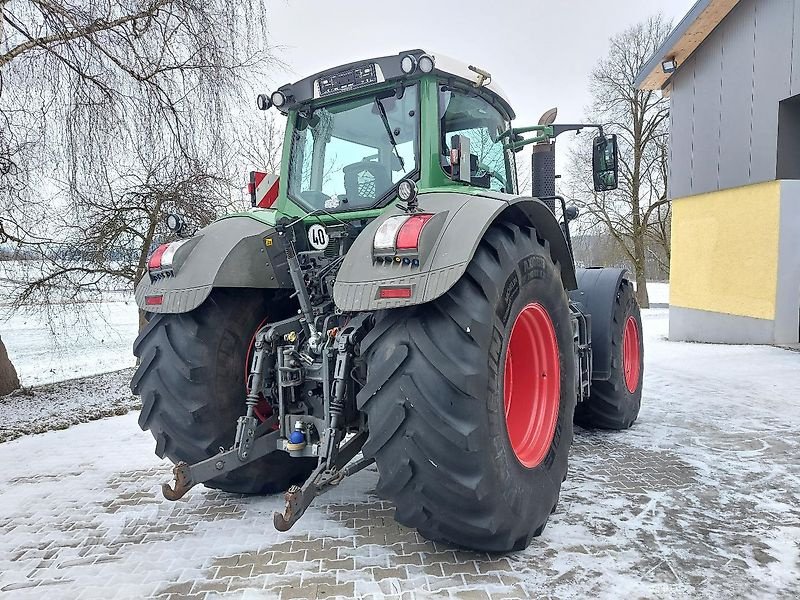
{"points": [[698, 500], [79, 341], [658, 292], [59, 405]]}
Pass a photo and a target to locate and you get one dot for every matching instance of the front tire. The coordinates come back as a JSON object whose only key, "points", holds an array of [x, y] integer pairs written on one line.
{"points": [[439, 386], [191, 378], [614, 403]]}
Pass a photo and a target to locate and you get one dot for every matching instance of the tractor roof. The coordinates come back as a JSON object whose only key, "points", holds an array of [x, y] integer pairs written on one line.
{"points": [[371, 71]]}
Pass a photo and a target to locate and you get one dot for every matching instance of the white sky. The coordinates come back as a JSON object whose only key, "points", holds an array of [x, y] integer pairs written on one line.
{"points": [[539, 51]]}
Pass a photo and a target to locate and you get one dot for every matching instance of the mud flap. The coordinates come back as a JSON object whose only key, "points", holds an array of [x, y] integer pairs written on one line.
{"points": [[597, 290]]}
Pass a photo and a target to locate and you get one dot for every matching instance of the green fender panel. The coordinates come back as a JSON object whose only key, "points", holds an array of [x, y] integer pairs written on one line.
{"points": [[229, 252], [446, 246]]}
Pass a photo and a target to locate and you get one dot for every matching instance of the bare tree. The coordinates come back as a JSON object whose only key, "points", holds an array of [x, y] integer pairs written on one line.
{"points": [[262, 142], [111, 114], [638, 213]]}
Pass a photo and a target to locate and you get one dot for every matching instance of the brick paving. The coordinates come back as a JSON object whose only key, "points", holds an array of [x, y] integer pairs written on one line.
{"points": [[699, 499]]}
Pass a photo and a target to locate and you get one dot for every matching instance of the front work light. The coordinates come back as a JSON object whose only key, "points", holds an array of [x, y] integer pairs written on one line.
{"points": [[263, 102], [407, 190], [425, 63], [278, 99], [408, 64]]}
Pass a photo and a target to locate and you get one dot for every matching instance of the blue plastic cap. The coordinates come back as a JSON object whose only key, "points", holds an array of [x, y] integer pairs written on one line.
{"points": [[297, 437]]}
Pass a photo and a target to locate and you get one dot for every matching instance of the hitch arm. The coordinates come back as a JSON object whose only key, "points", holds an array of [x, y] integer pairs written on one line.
{"points": [[188, 476], [321, 480]]}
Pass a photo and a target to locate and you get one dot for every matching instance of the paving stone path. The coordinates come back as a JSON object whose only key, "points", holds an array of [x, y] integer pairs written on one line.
{"points": [[699, 500]]}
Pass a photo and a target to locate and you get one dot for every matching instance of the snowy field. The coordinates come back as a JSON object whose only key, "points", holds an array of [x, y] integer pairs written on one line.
{"points": [[698, 500], [96, 338]]}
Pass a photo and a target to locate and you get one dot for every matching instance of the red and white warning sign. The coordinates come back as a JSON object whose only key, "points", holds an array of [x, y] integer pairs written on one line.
{"points": [[263, 189]]}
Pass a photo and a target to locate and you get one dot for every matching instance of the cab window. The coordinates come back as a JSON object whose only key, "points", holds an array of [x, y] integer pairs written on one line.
{"points": [[351, 155], [470, 115]]}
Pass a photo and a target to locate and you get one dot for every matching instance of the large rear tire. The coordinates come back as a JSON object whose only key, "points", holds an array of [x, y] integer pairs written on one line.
{"points": [[614, 403], [191, 378], [470, 445]]}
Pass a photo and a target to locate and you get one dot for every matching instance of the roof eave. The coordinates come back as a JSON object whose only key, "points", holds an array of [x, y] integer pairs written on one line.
{"points": [[681, 43]]}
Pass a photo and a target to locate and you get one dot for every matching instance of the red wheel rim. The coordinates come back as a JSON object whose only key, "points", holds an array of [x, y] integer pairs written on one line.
{"points": [[631, 358], [532, 385], [263, 410]]}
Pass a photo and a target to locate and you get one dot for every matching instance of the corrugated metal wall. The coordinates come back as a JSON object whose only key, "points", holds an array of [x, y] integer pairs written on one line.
{"points": [[725, 99]]}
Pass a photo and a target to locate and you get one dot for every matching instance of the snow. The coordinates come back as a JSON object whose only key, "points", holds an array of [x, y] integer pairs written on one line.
{"points": [[81, 340], [658, 292], [698, 500], [59, 405]]}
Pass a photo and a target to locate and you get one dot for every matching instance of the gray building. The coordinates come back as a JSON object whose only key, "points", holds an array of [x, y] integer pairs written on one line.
{"points": [[732, 71]]}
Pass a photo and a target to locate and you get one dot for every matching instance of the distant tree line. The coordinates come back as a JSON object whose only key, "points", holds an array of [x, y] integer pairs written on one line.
{"points": [[598, 249]]}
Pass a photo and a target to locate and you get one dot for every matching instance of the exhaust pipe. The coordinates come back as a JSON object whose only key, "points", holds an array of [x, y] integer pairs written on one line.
{"points": [[543, 173]]}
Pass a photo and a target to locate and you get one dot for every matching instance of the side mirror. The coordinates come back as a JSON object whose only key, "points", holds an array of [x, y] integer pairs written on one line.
{"points": [[605, 166]]}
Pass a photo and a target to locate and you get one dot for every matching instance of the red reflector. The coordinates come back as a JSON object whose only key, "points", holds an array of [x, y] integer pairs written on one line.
{"points": [[155, 257], [395, 292], [269, 198], [153, 300], [263, 189], [408, 236]]}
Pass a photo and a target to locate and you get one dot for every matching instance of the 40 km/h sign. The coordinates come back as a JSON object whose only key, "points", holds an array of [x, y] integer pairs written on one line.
{"points": [[318, 237]]}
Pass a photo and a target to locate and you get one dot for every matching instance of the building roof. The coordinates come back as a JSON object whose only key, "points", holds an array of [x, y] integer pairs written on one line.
{"points": [[695, 27]]}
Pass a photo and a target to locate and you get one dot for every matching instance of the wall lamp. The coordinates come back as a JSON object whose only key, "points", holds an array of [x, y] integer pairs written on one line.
{"points": [[669, 65]]}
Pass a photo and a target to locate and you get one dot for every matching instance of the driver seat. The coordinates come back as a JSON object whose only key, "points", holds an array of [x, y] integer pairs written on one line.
{"points": [[366, 181]]}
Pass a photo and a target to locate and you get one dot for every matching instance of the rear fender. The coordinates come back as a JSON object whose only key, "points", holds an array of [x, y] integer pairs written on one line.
{"points": [[447, 244], [230, 252], [596, 295]]}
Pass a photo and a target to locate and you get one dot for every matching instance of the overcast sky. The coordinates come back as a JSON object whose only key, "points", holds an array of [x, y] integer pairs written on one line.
{"points": [[539, 51]]}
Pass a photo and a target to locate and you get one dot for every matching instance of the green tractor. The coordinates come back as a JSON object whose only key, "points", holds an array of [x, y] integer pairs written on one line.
{"points": [[392, 299]]}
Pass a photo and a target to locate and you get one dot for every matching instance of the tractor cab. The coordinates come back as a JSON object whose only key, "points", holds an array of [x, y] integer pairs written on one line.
{"points": [[356, 131]]}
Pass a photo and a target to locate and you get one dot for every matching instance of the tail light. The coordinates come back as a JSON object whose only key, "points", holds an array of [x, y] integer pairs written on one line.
{"points": [[163, 256], [157, 256], [409, 232], [400, 233]]}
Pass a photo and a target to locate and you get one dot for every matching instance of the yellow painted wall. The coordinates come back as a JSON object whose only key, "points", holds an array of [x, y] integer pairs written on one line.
{"points": [[725, 251]]}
